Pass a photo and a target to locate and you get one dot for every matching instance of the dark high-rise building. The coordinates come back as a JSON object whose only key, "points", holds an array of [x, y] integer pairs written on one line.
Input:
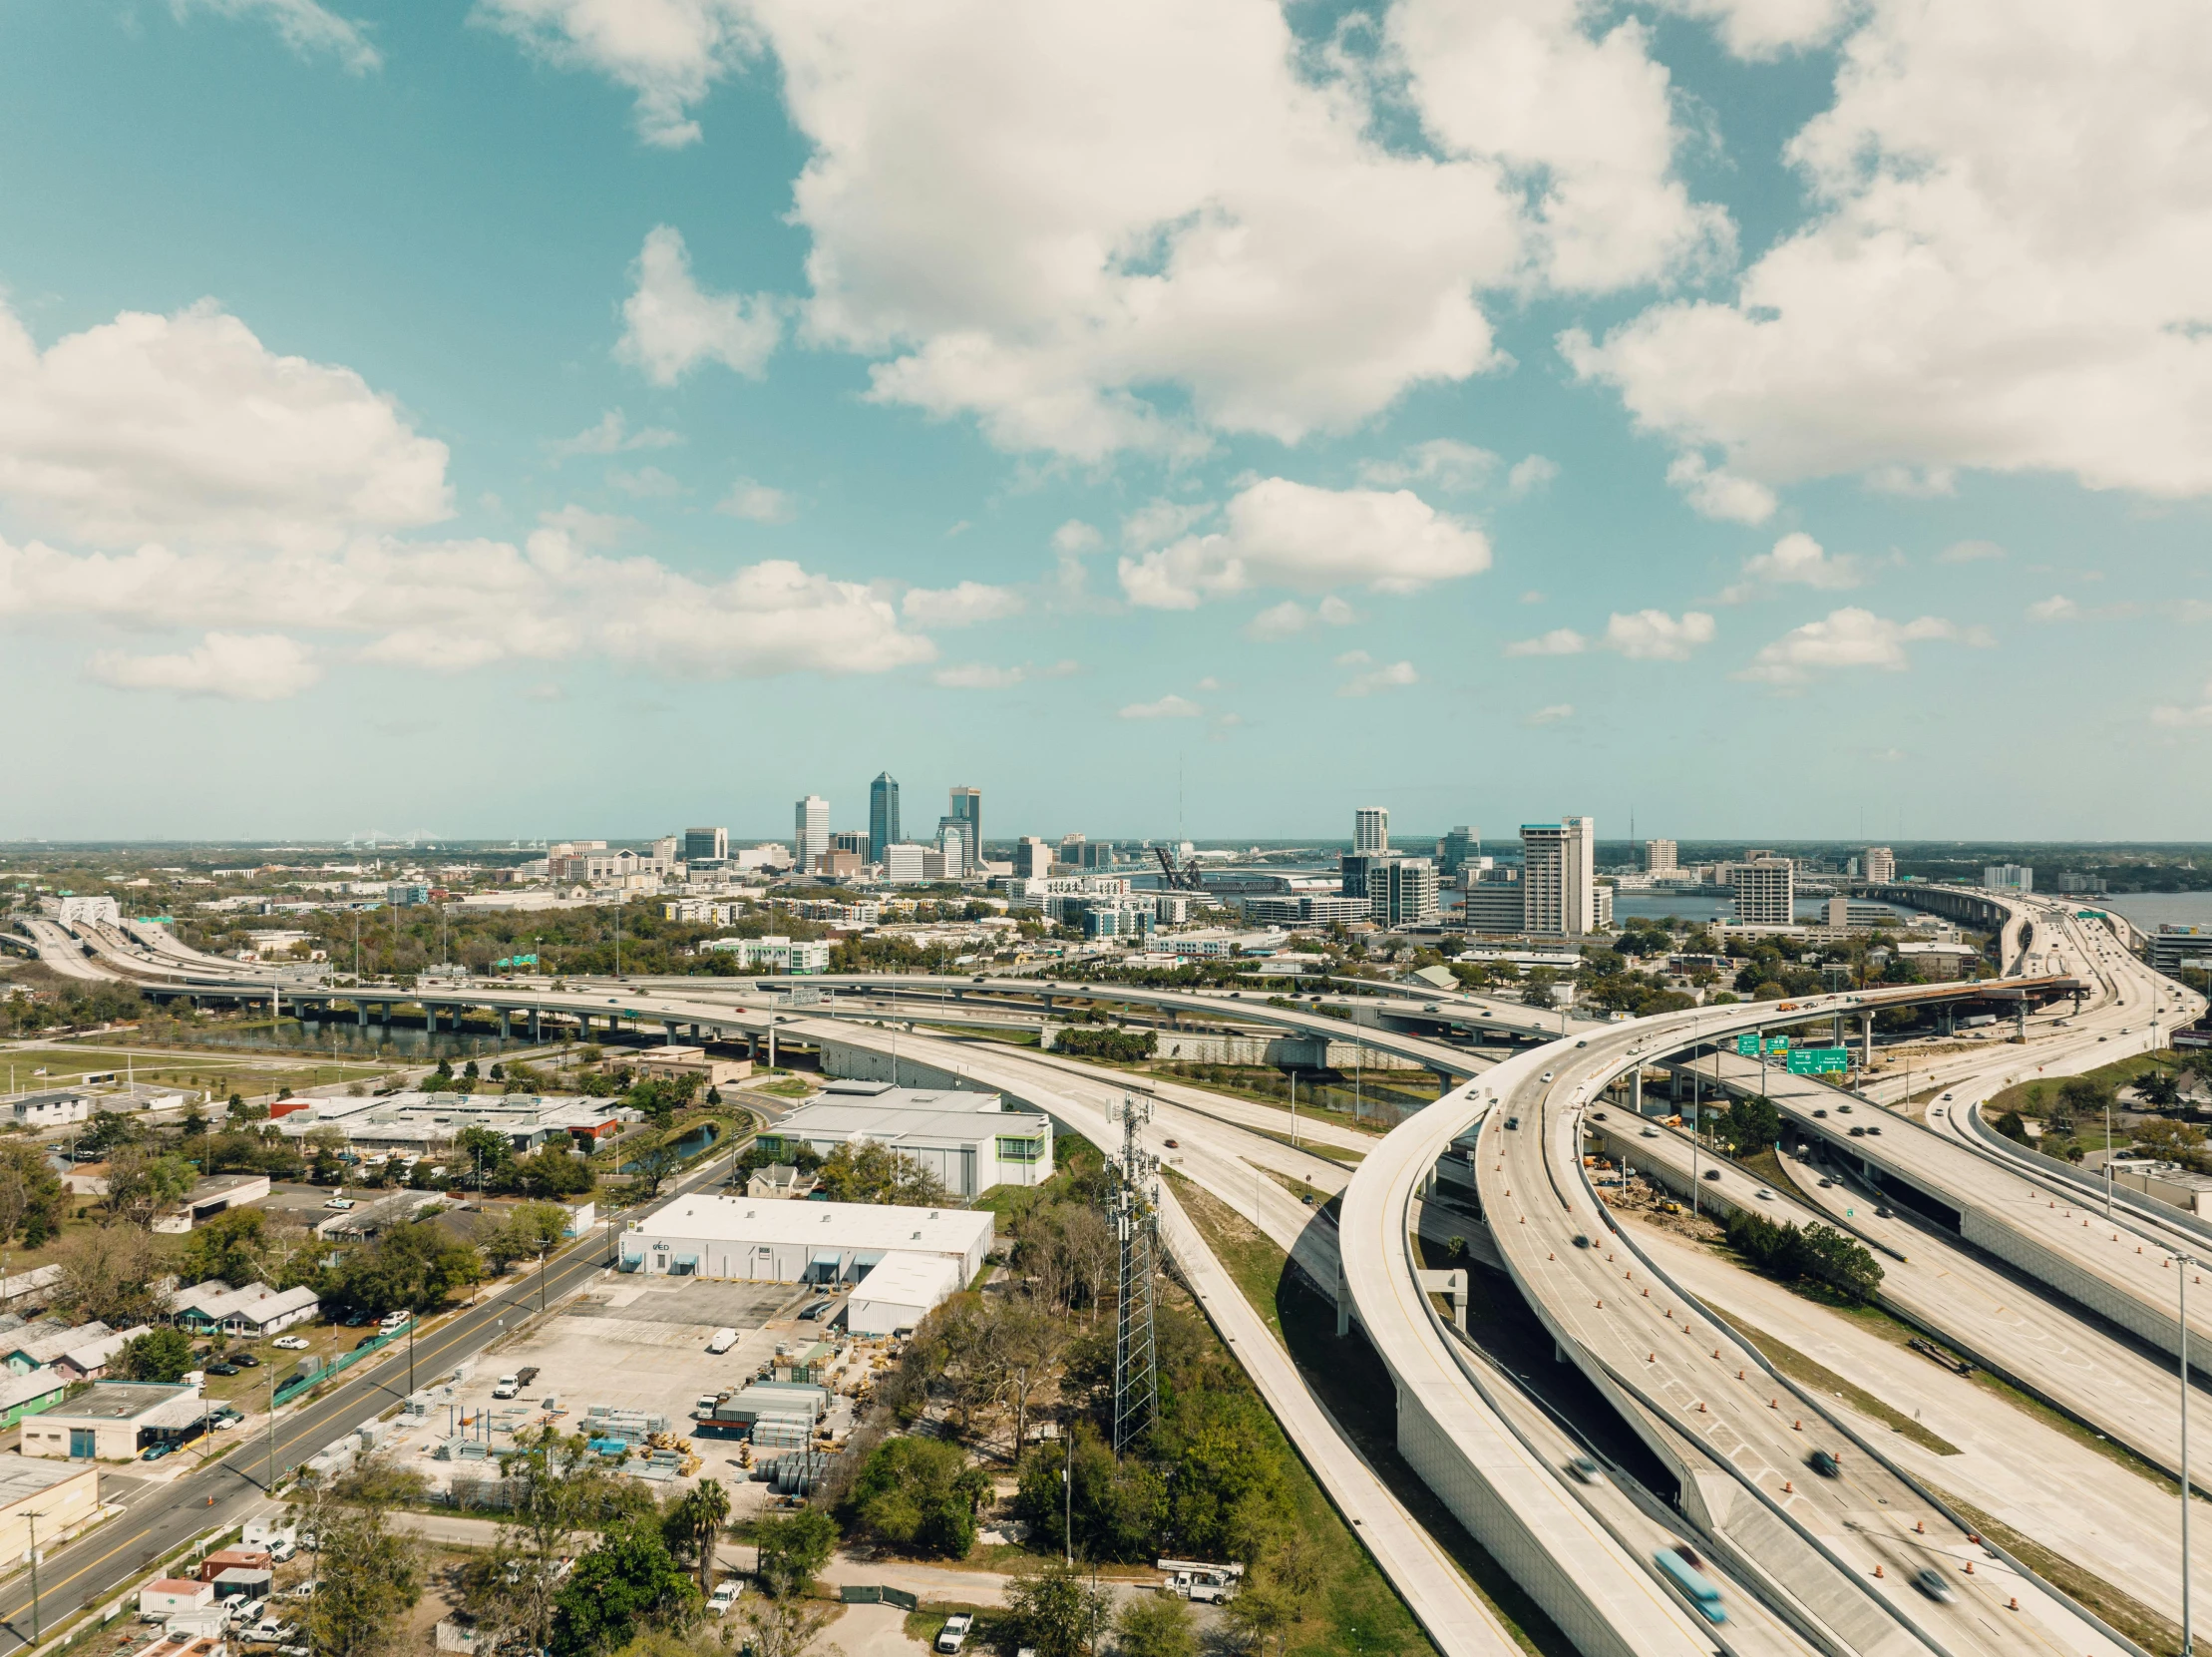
{"points": [[707, 845], [967, 811], [883, 816]]}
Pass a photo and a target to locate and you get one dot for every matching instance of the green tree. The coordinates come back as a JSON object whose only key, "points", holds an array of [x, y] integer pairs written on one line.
{"points": [[1057, 1610], [792, 1549], [874, 1173], [551, 1171], [368, 1576], [482, 1156], [33, 1200], [919, 1495], [651, 1169], [783, 1627], [413, 1267], [627, 1582], [107, 1274], [693, 1527], [2012, 1127], [1156, 1625], [1753, 1125], [2158, 1089], [157, 1355], [234, 1246]]}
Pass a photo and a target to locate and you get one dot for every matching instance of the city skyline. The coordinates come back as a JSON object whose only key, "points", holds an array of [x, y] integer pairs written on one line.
{"points": [[697, 431]]}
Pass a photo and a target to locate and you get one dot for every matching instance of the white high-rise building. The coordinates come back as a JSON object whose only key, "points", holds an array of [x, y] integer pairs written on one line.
{"points": [[1370, 831], [1880, 864], [1660, 859], [2007, 877], [810, 831], [1766, 891], [1558, 877]]}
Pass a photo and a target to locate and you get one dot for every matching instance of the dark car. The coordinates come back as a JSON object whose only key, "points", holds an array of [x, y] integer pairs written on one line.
{"points": [[222, 1369], [1712, 1173], [1172, 1144], [1512, 1124], [1825, 1464], [1858, 1133], [366, 1341], [1582, 1241], [247, 1360], [1929, 1582], [814, 1311], [1885, 1212], [1597, 1115], [1869, 1130], [1820, 1112]]}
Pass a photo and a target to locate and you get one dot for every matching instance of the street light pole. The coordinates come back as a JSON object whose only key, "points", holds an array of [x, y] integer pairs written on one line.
{"points": [[34, 1521]]}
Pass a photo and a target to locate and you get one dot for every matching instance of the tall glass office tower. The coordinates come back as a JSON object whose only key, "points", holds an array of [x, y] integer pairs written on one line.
{"points": [[883, 816]]}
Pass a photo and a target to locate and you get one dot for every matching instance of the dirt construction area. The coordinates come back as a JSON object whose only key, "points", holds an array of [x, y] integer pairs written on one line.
{"points": [[634, 1345]]}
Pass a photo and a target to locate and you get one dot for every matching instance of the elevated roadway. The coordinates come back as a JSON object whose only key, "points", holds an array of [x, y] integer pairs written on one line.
{"points": [[1738, 1435]]}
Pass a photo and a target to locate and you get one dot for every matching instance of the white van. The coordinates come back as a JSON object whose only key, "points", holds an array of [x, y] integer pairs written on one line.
{"points": [[724, 1339]]}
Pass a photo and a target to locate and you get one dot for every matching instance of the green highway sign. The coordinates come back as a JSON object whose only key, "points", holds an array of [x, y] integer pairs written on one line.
{"points": [[1748, 1045], [1819, 1061], [515, 960]]}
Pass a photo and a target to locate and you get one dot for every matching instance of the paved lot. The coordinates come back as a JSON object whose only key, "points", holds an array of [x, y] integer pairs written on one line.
{"points": [[709, 1306]]}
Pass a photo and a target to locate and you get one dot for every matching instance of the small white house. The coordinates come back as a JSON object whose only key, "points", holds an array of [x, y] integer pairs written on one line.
{"points": [[55, 1109]]}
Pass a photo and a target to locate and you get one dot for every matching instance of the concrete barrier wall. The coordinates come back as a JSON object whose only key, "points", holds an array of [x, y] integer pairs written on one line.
{"points": [[1458, 1466]]}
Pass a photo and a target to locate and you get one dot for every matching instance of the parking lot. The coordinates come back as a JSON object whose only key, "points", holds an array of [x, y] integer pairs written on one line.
{"points": [[629, 1344]]}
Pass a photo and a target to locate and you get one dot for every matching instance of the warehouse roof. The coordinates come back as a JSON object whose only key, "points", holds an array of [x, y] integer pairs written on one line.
{"points": [[837, 1118], [884, 1097], [904, 1278], [840, 1224]]}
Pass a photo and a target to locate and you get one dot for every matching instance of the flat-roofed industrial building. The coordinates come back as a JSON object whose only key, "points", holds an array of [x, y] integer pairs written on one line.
{"points": [[969, 1139], [829, 1243]]}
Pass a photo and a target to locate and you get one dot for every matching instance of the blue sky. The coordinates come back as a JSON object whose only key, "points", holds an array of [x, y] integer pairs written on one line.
{"points": [[555, 417]]}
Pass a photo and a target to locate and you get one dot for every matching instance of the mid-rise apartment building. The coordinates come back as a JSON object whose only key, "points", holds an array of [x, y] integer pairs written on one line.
{"points": [[1559, 878], [1766, 891]]}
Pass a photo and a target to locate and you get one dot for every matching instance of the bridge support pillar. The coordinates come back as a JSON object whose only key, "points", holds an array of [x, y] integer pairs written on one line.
{"points": [[771, 1046], [670, 1027], [505, 1014], [362, 1007], [2020, 1019], [1636, 1090], [1866, 1042], [1343, 1302]]}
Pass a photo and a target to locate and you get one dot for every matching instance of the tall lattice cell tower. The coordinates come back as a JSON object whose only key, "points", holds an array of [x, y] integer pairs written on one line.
{"points": [[1136, 1214]]}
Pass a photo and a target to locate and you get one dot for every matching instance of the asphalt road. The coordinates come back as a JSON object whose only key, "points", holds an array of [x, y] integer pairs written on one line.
{"points": [[158, 1519]]}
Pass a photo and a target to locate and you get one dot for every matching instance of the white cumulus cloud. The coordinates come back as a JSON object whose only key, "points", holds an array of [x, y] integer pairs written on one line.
{"points": [[1559, 641], [309, 29], [1767, 28], [1283, 534], [1716, 492], [961, 606], [1449, 464], [1655, 636], [1970, 551], [1389, 676], [982, 676], [1289, 619], [1015, 234], [611, 436], [669, 53], [2003, 271], [1552, 715], [756, 503], [2194, 718], [1850, 637], [1166, 707], [2056, 608], [1531, 475], [189, 428], [244, 667], [670, 324], [457, 605], [1796, 561]]}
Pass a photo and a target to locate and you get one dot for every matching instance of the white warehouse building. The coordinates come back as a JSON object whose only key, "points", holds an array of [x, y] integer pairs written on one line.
{"points": [[969, 1139], [762, 1240]]}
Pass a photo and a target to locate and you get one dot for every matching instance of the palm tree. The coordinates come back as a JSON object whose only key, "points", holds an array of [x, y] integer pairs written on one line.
{"points": [[700, 1517]]}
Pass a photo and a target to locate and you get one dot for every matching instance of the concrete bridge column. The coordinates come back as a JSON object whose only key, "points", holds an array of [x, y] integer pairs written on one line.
{"points": [[536, 1023], [502, 1023], [1636, 1091], [752, 1046], [771, 1046], [2020, 1019], [1866, 1042], [362, 1009]]}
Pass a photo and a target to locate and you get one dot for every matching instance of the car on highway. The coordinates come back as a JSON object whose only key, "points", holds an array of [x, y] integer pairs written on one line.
{"points": [[290, 1343], [1680, 1564], [1820, 1112], [1763, 1194], [1172, 1144], [1547, 1076], [1858, 1132], [1648, 1133], [1883, 1211], [1930, 1583], [1824, 1464], [1512, 1124], [1712, 1173], [1585, 1471], [1582, 1240]]}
